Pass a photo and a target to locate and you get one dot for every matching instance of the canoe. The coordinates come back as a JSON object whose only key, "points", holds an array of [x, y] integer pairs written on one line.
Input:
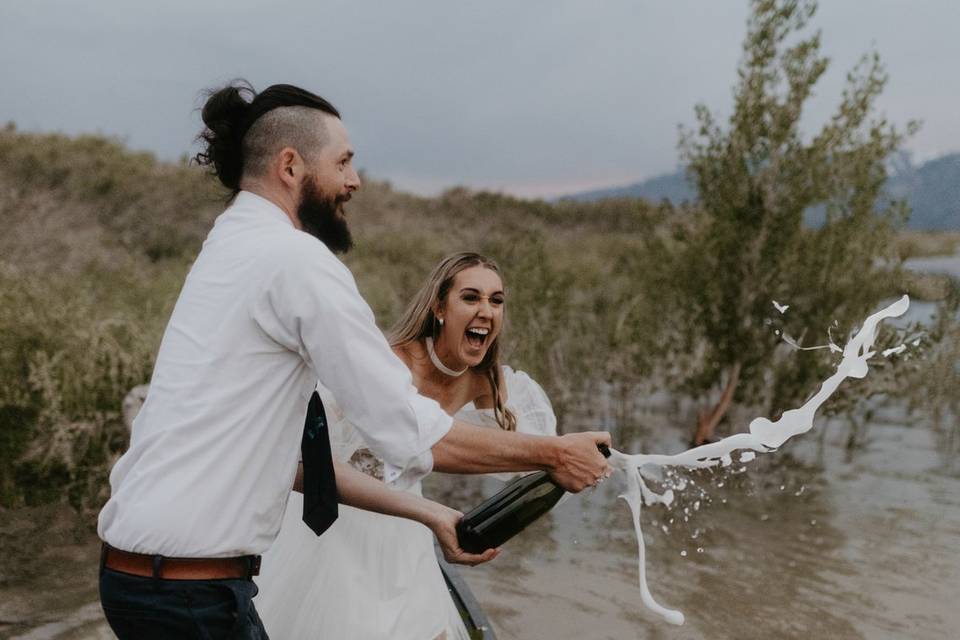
{"points": [[478, 626]]}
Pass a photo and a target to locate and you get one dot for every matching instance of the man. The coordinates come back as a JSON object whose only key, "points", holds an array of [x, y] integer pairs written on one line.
{"points": [[265, 312]]}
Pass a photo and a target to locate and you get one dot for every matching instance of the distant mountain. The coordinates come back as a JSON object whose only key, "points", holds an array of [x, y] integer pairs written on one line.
{"points": [[932, 189], [672, 186]]}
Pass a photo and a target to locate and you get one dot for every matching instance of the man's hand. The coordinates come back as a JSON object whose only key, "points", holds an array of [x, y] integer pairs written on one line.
{"points": [[580, 464], [444, 526]]}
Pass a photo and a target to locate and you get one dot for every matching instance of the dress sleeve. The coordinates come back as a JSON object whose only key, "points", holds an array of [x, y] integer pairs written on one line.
{"points": [[529, 403], [311, 305]]}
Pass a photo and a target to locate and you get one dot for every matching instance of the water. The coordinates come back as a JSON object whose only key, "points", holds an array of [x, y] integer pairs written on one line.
{"points": [[945, 265], [850, 548]]}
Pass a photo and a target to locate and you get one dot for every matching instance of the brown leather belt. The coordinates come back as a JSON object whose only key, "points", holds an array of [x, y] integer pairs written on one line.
{"points": [[139, 564]]}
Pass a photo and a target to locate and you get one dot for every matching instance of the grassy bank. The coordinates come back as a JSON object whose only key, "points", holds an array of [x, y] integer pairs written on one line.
{"points": [[923, 244]]}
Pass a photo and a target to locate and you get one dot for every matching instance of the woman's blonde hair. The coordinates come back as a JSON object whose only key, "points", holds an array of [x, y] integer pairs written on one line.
{"points": [[419, 321]]}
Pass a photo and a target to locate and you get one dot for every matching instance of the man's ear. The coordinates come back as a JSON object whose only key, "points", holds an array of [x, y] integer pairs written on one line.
{"points": [[290, 167]]}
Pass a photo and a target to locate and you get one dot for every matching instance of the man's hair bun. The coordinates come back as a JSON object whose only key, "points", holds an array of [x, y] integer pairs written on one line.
{"points": [[226, 115]]}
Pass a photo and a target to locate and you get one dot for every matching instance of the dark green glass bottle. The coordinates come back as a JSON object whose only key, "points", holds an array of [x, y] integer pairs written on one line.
{"points": [[508, 512]]}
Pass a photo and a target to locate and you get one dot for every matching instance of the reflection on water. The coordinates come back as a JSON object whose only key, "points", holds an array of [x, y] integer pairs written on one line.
{"points": [[948, 265], [807, 542]]}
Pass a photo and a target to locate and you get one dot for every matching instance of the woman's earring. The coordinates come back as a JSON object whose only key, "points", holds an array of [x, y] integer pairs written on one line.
{"points": [[440, 320]]}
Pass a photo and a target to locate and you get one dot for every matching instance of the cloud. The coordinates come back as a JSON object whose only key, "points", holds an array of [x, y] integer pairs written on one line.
{"points": [[521, 96]]}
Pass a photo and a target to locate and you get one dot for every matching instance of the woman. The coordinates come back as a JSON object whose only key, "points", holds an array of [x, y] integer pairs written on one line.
{"points": [[372, 576]]}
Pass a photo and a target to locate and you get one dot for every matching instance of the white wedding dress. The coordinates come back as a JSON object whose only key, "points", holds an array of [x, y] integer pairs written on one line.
{"points": [[370, 576]]}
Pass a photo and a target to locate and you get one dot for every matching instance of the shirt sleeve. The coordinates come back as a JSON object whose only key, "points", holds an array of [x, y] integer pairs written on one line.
{"points": [[311, 305]]}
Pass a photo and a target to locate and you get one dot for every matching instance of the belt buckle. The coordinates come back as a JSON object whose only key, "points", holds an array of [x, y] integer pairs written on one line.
{"points": [[254, 564]]}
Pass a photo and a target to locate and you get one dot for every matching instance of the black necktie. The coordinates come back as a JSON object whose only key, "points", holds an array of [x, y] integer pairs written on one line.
{"points": [[319, 481]]}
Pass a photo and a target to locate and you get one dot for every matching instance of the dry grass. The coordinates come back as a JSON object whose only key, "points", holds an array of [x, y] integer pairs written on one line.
{"points": [[921, 244]]}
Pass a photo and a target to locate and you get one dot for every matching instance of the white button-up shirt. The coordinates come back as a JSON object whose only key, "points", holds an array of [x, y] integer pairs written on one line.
{"points": [[265, 312]]}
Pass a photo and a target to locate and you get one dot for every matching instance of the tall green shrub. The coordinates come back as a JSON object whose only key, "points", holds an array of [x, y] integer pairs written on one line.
{"points": [[756, 178]]}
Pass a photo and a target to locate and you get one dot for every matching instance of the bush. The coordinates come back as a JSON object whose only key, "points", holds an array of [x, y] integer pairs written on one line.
{"points": [[70, 352]]}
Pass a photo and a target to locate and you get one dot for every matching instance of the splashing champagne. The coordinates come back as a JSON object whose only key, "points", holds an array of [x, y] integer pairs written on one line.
{"points": [[764, 436]]}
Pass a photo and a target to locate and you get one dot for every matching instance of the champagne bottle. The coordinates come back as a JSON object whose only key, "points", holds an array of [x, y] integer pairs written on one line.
{"points": [[508, 512]]}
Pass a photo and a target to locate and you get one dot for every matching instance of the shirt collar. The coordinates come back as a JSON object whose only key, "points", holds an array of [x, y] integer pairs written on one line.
{"points": [[250, 200]]}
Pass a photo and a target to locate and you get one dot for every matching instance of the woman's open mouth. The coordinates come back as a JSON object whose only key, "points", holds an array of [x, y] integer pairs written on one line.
{"points": [[477, 336]]}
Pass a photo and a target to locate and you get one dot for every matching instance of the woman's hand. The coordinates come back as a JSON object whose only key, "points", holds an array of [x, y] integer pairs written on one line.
{"points": [[443, 523]]}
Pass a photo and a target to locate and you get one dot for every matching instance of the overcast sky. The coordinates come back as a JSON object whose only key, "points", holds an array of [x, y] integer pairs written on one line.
{"points": [[535, 98]]}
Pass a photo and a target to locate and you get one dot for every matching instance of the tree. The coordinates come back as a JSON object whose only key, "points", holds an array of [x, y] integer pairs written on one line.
{"points": [[757, 179]]}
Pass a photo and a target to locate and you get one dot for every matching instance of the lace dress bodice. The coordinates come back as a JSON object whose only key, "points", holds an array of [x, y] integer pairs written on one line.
{"points": [[367, 462]]}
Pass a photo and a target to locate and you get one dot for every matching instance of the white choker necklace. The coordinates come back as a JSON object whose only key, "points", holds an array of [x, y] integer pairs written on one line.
{"points": [[439, 365]]}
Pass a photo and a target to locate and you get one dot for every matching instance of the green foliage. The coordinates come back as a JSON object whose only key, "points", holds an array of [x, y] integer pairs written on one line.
{"points": [[70, 352], [755, 178], [153, 208], [94, 250]]}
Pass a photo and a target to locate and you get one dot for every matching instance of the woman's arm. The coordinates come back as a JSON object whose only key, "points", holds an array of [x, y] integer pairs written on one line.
{"points": [[359, 490]]}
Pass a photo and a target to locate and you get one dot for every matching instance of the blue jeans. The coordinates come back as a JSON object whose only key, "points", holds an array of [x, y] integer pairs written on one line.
{"points": [[148, 609]]}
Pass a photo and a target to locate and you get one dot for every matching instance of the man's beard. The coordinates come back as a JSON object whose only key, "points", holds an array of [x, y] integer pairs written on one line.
{"points": [[320, 218]]}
